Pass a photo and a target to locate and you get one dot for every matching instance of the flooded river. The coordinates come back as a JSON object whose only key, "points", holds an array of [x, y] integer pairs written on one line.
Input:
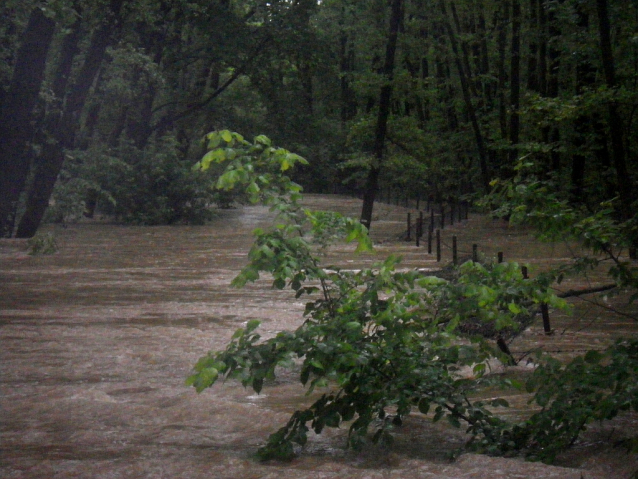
{"points": [[97, 340]]}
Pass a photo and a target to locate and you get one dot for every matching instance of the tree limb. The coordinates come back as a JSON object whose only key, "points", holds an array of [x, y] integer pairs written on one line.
{"points": [[579, 292]]}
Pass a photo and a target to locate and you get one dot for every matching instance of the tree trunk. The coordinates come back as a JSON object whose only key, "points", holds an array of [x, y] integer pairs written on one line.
{"points": [[16, 129], [480, 142], [615, 120], [467, 68], [51, 160], [502, 75], [532, 60], [372, 182], [585, 76], [515, 82]]}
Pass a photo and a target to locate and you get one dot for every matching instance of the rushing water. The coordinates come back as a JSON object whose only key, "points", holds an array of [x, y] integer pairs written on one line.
{"points": [[97, 340]]}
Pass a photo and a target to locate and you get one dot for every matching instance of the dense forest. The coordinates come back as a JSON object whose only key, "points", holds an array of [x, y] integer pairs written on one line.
{"points": [[104, 104], [527, 108]]}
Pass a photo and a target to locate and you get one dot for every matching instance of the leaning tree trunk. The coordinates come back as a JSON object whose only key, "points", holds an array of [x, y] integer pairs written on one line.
{"points": [[372, 182], [16, 128], [50, 162]]}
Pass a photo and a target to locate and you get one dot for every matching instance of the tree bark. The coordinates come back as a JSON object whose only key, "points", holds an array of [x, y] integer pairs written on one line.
{"points": [[51, 160], [585, 76], [515, 82], [16, 128], [532, 60], [503, 18], [615, 120], [372, 182], [471, 111]]}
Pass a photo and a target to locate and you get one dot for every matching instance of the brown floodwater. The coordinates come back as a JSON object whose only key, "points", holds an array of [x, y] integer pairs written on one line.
{"points": [[97, 340]]}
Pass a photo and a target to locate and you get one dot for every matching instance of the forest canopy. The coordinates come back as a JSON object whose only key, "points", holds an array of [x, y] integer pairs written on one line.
{"points": [[103, 104]]}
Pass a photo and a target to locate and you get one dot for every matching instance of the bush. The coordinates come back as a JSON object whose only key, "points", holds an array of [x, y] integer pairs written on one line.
{"points": [[148, 187]]}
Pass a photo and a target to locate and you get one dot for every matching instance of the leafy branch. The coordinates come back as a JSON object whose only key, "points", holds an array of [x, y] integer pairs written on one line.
{"points": [[377, 342]]}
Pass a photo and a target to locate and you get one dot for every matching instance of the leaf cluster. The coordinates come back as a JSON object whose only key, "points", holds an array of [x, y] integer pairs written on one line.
{"points": [[541, 203], [595, 387], [377, 343]]}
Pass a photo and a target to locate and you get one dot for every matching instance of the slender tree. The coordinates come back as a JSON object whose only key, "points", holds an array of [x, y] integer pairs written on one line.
{"points": [[385, 96]]}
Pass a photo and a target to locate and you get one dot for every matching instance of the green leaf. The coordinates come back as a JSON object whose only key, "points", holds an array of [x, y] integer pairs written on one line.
{"points": [[226, 136], [353, 326], [253, 189], [424, 406], [499, 402], [453, 420], [258, 384], [213, 139], [514, 308], [238, 334], [252, 325]]}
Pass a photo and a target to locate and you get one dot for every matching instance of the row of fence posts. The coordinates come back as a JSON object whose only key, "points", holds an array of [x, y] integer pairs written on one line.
{"points": [[460, 211], [435, 235], [547, 328]]}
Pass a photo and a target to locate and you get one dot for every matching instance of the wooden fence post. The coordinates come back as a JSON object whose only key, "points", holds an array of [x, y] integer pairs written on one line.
{"points": [[429, 240], [455, 256], [545, 313]]}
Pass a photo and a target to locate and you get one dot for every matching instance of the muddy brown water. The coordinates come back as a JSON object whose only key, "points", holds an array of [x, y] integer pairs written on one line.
{"points": [[97, 340]]}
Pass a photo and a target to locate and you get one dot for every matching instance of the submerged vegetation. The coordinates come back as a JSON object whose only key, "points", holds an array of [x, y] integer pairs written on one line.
{"points": [[379, 343]]}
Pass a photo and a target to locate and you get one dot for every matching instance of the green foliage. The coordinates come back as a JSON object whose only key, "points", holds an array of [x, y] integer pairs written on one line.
{"points": [[42, 244], [598, 385], [151, 186], [528, 199], [379, 343], [79, 176], [595, 387]]}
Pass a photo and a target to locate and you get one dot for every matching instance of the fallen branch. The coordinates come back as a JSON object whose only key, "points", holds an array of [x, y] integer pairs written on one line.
{"points": [[579, 292]]}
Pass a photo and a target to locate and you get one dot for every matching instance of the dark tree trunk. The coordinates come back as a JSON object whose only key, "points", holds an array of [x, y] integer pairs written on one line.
{"points": [[16, 128], [51, 160], [585, 76], [503, 19], [549, 66], [515, 82], [140, 130], [417, 75], [346, 113], [444, 82], [488, 90], [542, 48], [532, 59], [385, 96], [615, 120], [467, 68], [480, 142]]}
